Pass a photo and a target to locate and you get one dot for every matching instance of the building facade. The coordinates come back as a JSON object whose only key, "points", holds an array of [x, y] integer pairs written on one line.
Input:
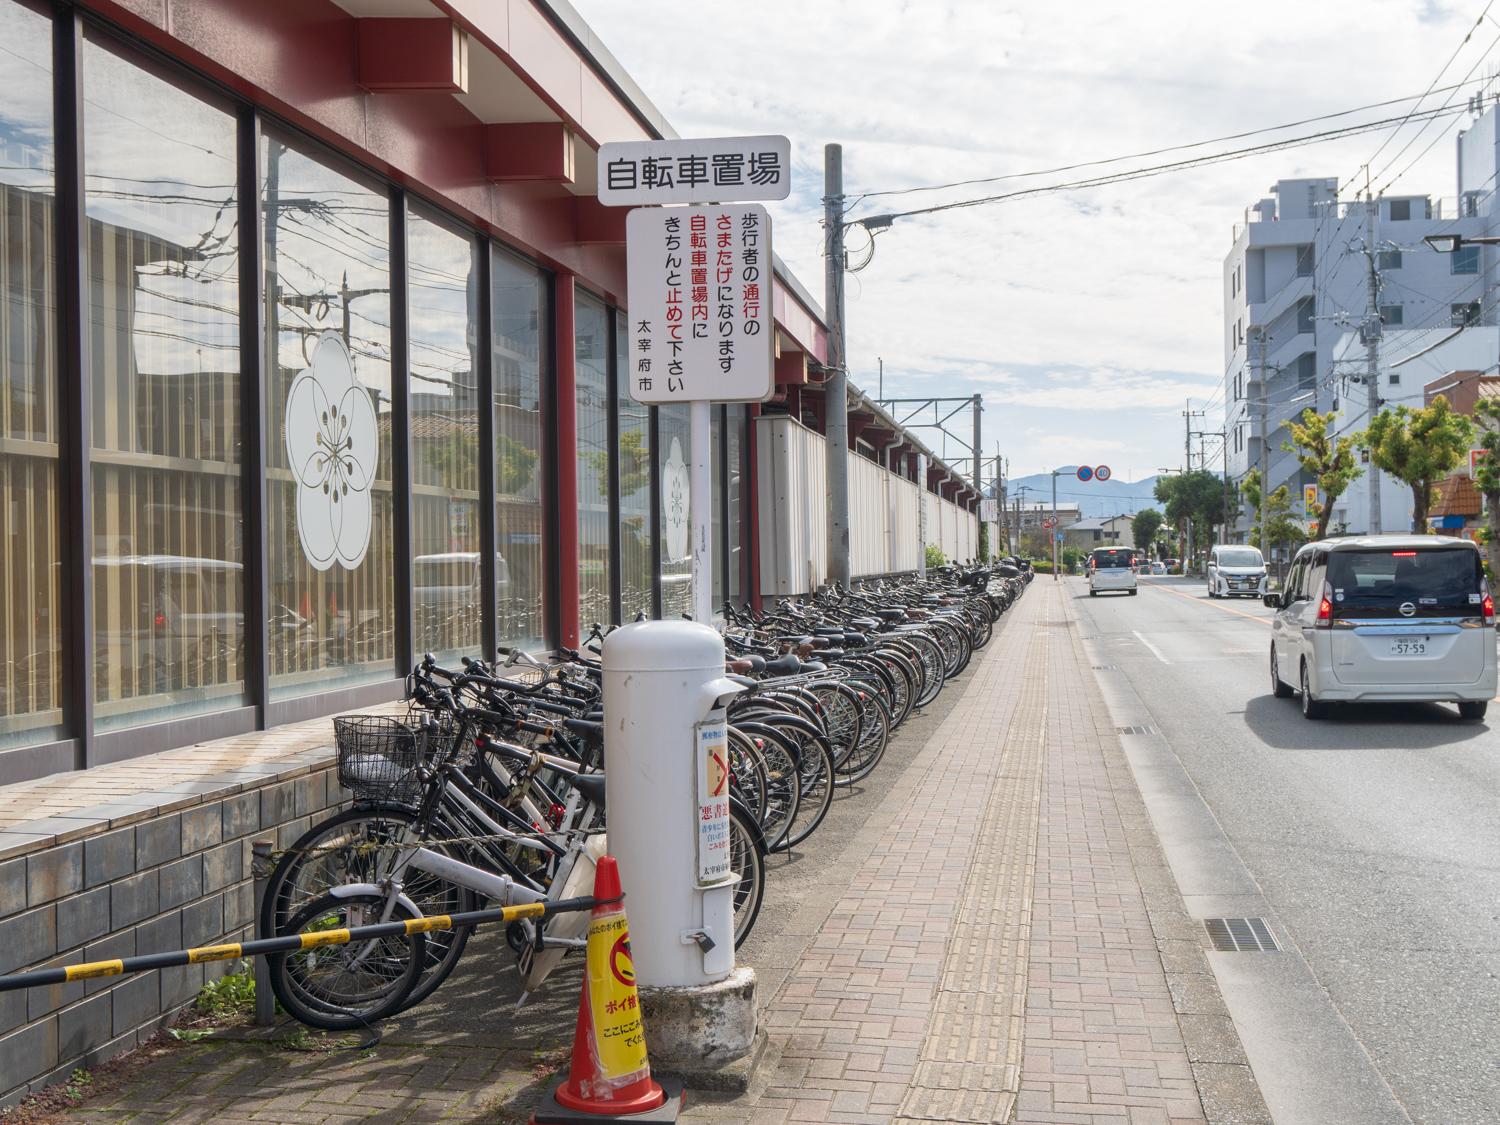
{"points": [[1298, 310], [314, 339]]}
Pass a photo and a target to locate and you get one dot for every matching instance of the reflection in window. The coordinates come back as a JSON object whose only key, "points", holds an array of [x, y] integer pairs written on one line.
{"points": [[591, 351], [444, 404], [163, 256], [30, 624], [517, 314], [635, 489], [673, 453], [332, 613]]}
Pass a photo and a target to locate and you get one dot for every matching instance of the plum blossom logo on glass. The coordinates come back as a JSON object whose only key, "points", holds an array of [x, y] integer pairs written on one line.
{"points": [[333, 446]]}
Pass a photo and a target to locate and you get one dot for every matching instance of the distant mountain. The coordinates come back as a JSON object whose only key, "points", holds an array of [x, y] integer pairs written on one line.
{"points": [[1094, 499]]}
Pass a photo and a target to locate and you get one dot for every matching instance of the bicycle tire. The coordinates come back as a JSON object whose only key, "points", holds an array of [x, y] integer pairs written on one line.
{"points": [[369, 979], [747, 858], [430, 894]]}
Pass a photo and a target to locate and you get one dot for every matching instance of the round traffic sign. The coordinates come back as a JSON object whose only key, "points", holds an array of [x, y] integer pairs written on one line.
{"points": [[1085, 473], [1102, 472]]}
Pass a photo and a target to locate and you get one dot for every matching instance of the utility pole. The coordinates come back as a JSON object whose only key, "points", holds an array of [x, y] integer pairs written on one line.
{"points": [[835, 392], [1265, 456], [1052, 534], [1371, 333]]}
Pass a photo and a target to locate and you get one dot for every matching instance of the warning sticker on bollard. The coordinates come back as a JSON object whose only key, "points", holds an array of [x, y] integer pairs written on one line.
{"points": [[712, 761]]}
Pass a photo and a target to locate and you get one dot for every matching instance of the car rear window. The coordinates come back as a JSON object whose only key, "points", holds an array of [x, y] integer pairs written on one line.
{"points": [[1106, 559], [1245, 556], [1378, 583]]}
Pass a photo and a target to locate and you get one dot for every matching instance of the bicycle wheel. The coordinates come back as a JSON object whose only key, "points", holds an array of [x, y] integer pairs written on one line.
{"points": [[359, 845], [782, 781], [747, 859], [815, 772], [338, 987], [869, 748]]}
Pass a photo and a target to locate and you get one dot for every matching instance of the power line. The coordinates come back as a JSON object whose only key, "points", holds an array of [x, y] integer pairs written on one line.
{"points": [[1175, 166], [1156, 151]]}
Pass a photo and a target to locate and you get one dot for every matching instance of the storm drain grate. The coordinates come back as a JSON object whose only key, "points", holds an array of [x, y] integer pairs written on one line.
{"points": [[1241, 935], [1104, 667], [1135, 730]]}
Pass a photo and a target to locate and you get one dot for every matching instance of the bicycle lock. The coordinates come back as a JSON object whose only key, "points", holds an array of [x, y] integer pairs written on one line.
{"points": [[262, 947]]}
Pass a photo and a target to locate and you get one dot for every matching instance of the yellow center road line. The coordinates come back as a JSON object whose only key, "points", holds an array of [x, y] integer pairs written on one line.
{"points": [[1208, 603]]}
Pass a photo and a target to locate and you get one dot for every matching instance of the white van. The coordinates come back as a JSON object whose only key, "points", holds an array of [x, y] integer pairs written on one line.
{"points": [[1236, 572], [1388, 618], [1111, 568]]}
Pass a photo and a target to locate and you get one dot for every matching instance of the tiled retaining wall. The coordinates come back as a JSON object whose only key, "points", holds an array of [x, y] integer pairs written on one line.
{"points": [[153, 880]]}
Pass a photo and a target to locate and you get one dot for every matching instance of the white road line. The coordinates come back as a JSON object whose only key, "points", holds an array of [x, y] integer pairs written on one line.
{"points": [[1156, 652]]}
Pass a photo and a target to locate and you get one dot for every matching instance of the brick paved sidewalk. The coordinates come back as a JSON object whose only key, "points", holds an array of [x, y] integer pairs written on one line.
{"points": [[992, 958]]}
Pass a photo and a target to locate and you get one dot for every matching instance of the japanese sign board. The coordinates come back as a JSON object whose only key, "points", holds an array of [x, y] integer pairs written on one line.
{"points": [[989, 511], [1310, 496], [711, 759], [700, 304], [619, 1038], [632, 173]]}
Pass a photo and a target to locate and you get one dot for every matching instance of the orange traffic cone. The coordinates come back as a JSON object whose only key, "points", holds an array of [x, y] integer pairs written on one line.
{"points": [[609, 1078]]}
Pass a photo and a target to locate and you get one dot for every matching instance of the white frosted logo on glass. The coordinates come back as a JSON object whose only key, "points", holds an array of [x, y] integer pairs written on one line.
{"points": [[333, 444]]}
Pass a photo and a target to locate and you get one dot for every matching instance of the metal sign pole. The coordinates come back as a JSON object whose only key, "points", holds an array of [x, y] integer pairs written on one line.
{"points": [[700, 508]]}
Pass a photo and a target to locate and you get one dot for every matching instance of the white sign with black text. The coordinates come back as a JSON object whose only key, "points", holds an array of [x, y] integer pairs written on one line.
{"points": [[632, 173], [700, 304]]}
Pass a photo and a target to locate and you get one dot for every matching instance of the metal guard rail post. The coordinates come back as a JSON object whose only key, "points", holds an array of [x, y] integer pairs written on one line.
{"points": [[233, 950]]}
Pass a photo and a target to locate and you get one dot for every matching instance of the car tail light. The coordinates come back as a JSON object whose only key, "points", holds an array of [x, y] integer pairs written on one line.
{"points": [[1489, 606], [1403, 554], [1325, 608]]}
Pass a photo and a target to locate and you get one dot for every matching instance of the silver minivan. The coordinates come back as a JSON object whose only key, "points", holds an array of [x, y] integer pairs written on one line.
{"points": [[1236, 572], [1386, 618]]}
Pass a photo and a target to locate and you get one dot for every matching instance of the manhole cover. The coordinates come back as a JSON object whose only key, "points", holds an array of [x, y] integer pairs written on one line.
{"points": [[1135, 730], [1241, 935]]}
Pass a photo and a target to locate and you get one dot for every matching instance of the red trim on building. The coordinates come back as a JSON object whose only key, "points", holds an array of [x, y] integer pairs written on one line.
{"points": [[566, 434]]}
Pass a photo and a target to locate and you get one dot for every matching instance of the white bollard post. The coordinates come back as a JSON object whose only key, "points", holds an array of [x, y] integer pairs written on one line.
{"points": [[664, 694]]}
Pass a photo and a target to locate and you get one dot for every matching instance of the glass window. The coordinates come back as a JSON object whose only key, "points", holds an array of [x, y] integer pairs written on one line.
{"points": [[1389, 259], [592, 378], [1305, 261], [1307, 369], [330, 534], [163, 352], [634, 457], [1400, 210], [517, 315], [1305, 315], [1465, 259], [1392, 315], [30, 618], [443, 402], [672, 459]]}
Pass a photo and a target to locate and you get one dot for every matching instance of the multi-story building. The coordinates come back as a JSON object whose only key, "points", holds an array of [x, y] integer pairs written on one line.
{"points": [[1298, 310]]}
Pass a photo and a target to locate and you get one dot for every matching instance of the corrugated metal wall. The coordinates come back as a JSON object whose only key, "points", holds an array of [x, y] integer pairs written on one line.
{"points": [[792, 466]]}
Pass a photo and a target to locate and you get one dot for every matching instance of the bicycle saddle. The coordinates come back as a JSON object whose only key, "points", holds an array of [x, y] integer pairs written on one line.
{"points": [[586, 728], [591, 785], [788, 665], [891, 614]]}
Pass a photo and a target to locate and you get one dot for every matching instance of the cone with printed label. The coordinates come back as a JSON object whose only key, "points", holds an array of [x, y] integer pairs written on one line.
{"points": [[609, 1077]]}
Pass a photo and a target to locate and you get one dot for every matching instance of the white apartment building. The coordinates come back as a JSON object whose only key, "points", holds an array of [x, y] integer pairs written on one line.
{"points": [[1297, 310]]}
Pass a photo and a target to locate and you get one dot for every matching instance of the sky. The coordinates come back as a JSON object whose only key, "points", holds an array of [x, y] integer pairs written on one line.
{"points": [[1086, 319]]}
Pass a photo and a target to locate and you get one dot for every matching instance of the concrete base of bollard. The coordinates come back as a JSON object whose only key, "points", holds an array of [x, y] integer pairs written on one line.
{"points": [[690, 1030]]}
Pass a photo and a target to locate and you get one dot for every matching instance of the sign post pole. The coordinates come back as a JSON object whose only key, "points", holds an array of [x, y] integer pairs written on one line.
{"points": [[700, 508]]}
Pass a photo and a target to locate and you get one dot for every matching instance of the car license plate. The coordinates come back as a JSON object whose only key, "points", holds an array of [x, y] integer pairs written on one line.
{"points": [[1408, 647]]}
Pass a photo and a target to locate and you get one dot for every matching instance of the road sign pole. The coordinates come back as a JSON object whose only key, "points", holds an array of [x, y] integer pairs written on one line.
{"points": [[700, 509], [1054, 525]]}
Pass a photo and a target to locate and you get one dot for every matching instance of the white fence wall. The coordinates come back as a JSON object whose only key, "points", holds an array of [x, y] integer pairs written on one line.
{"points": [[791, 471]]}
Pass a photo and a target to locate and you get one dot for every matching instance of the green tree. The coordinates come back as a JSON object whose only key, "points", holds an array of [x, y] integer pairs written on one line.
{"points": [[1420, 448], [935, 556], [1143, 528], [1487, 477], [1283, 529], [1327, 459], [1198, 498], [1071, 557], [635, 466]]}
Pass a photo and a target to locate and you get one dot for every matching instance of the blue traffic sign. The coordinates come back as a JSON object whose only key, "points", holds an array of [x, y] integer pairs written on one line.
{"points": [[1085, 473]]}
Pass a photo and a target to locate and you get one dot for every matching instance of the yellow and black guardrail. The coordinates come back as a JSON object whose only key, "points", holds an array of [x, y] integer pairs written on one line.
{"points": [[234, 950]]}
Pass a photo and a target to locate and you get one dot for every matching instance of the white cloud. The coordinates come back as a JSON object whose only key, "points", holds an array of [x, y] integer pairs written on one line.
{"points": [[1125, 279]]}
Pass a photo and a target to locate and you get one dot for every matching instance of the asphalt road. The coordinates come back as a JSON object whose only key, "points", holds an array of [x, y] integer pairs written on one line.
{"points": [[1374, 837]]}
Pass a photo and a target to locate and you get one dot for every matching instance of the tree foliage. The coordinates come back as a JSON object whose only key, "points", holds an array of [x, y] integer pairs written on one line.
{"points": [[1487, 476], [1283, 529], [1420, 448], [1329, 460], [1199, 497], [1143, 528]]}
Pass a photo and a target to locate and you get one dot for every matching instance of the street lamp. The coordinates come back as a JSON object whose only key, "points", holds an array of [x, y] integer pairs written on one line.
{"points": [[1453, 243]]}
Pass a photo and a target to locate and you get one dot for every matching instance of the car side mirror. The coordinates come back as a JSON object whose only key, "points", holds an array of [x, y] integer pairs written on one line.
{"points": [[1272, 600]]}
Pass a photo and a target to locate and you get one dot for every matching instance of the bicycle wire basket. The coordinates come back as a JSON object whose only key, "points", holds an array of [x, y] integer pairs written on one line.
{"points": [[379, 755]]}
